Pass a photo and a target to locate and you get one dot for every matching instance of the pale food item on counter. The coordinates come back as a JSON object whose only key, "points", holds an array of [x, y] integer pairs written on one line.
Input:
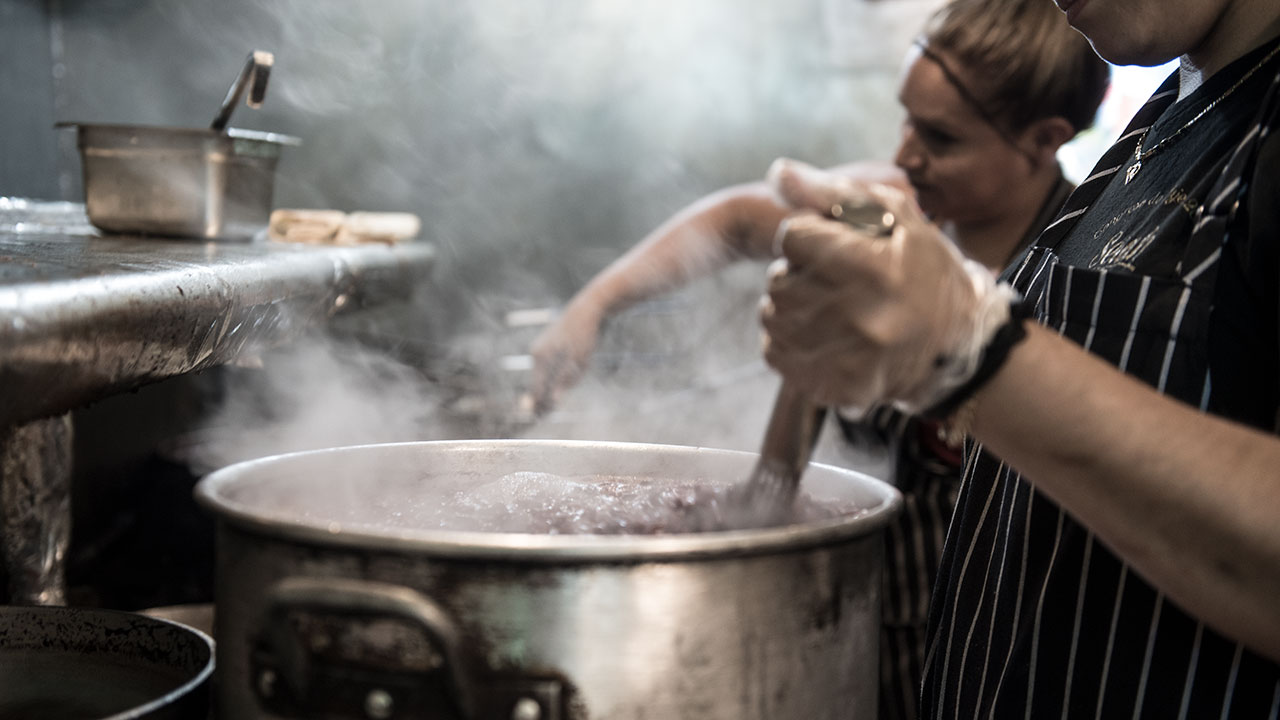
{"points": [[386, 227], [334, 227], [305, 226]]}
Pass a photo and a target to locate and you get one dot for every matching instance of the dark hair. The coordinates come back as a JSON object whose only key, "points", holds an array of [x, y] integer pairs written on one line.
{"points": [[1025, 61]]}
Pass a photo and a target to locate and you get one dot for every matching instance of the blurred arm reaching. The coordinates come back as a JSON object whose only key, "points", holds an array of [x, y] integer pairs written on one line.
{"points": [[734, 223]]}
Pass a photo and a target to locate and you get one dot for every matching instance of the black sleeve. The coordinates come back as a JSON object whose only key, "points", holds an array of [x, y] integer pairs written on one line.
{"points": [[1244, 342], [1263, 253]]}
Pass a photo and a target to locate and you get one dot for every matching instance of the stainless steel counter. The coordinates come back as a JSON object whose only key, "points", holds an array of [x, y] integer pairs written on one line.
{"points": [[83, 316]]}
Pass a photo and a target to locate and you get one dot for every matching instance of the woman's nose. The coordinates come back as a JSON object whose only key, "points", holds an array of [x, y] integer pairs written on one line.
{"points": [[909, 155]]}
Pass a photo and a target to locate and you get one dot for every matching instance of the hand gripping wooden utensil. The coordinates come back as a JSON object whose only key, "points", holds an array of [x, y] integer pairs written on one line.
{"points": [[795, 421]]}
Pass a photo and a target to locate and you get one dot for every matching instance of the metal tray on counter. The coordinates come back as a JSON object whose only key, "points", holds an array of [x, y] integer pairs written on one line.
{"points": [[178, 182]]}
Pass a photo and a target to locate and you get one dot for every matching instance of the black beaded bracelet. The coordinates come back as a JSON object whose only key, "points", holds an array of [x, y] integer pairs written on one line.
{"points": [[993, 356]]}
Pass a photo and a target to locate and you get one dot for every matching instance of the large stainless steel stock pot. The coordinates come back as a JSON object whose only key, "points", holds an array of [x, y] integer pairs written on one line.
{"points": [[324, 610]]}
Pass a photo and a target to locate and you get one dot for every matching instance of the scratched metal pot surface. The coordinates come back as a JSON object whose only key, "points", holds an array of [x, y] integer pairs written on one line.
{"points": [[319, 609]]}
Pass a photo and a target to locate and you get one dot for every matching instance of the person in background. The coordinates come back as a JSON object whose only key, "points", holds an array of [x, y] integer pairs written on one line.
{"points": [[991, 91], [1115, 549]]}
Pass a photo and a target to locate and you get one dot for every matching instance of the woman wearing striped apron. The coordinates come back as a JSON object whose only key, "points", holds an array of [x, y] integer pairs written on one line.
{"points": [[1132, 569]]}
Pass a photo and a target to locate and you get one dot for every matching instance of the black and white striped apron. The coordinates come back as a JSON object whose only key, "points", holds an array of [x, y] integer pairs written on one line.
{"points": [[1032, 616], [929, 482]]}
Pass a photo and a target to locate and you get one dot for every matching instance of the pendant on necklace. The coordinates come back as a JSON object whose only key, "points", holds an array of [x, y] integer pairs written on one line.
{"points": [[1132, 171]]}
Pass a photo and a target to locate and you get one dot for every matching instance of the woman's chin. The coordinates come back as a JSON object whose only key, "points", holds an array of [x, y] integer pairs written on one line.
{"points": [[931, 211]]}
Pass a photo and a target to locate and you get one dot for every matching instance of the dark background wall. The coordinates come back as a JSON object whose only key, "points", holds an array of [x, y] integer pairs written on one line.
{"points": [[536, 138], [28, 155]]}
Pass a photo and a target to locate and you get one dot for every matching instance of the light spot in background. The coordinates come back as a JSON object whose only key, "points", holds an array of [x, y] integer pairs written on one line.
{"points": [[1130, 87]]}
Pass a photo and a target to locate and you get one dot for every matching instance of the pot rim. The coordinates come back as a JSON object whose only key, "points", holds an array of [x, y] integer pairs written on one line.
{"points": [[519, 547]]}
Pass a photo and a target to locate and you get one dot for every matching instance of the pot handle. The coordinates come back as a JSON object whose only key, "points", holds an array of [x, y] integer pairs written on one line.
{"points": [[279, 656]]}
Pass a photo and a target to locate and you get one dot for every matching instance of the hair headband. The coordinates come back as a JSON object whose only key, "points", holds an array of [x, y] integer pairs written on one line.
{"points": [[968, 96]]}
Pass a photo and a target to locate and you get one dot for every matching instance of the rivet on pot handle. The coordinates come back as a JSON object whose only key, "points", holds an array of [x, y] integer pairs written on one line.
{"points": [[281, 668]]}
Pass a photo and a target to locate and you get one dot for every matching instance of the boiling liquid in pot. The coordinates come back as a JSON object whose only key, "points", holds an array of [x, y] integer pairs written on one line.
{"points": [[543, 503]]}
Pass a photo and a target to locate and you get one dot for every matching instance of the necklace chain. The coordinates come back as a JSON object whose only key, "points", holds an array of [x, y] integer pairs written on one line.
{"points": [[1139, 155]]}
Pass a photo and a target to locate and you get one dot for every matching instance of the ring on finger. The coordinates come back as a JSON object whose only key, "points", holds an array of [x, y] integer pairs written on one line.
{"points": [[865, 216]]}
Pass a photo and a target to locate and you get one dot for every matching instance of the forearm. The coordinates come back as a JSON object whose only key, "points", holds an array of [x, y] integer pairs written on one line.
{"points": [[737, 222], [1191, 501], [734, 223]]}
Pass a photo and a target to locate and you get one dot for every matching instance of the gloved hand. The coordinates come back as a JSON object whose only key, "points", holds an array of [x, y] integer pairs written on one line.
{"points": [[561, 353], [858, 320]]}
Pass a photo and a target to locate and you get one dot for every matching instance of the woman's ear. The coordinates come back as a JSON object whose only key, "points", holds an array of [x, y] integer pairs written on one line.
{"points": [[1046, 135]]}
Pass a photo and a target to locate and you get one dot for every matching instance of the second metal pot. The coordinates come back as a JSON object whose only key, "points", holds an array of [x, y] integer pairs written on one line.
{"points": [[59, 662]]}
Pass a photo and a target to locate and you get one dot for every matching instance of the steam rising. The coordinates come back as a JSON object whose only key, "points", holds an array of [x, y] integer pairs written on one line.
{"points": [[682, 370], [537, 140], [319, 392]]}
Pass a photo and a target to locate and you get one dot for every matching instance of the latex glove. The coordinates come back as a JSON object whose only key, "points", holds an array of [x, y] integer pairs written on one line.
{"points": [[561, 353], [857, 320]]}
